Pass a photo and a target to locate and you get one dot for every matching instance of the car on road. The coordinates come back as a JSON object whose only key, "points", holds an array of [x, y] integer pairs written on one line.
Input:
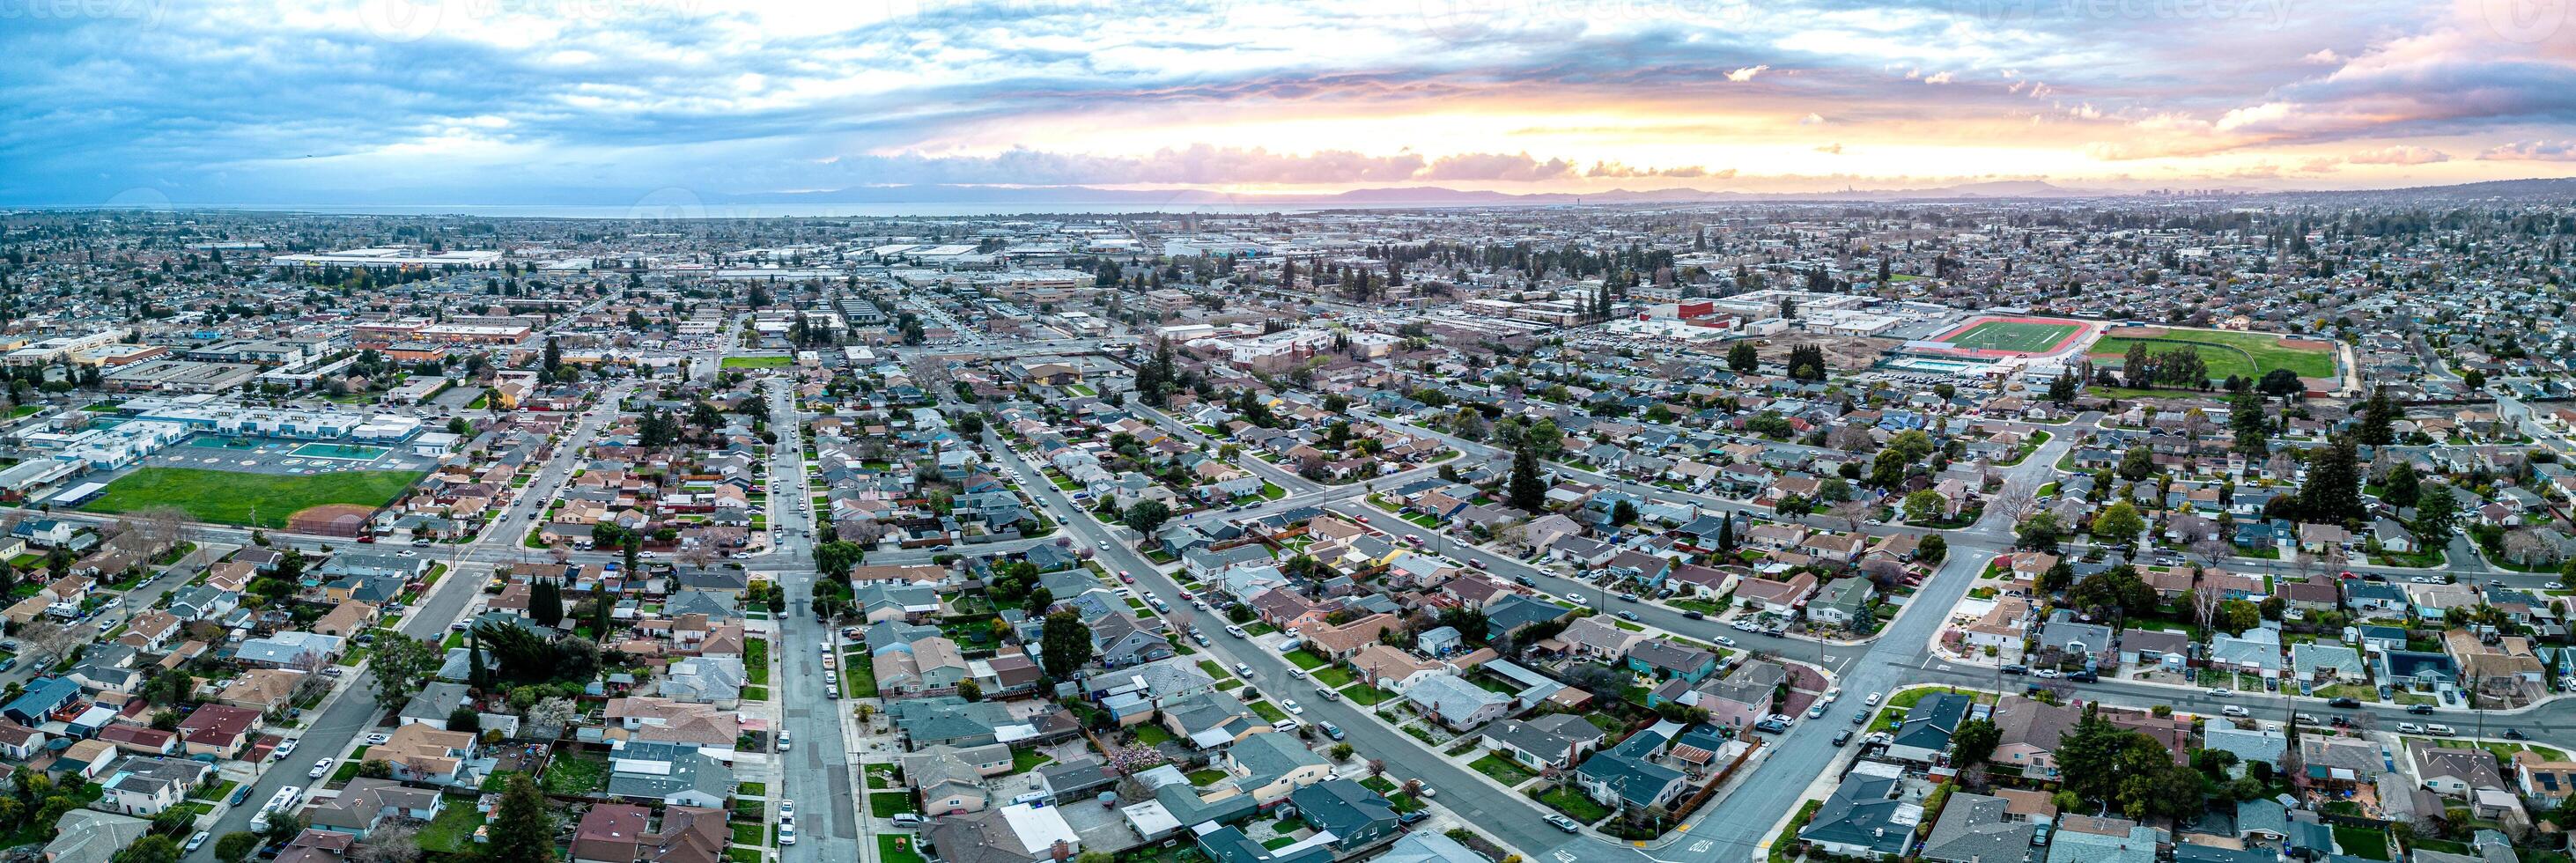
{"points": [[1574, 597], [1299, 673], [1693, 615], [319, 767], [1726, 641], [1525, 581], [283, 749], [1292, 706], [1331, 730], [1860, 717], [1360, 518], [1816, 711], [1104, 545], [1568, 825], [2515, 734], [1234, 630], [787, 809], [1627, 597], [2220, 692], [1124, 577], [1627, 615], [2409, 728], [2045, 674], [1873, 699], [197, 841], [784, 741], [2345, 702], [241, 795], [1476, 562], [2236, 711], [2420, 709], [1243, 668], [786, 833], [1842, 737]]}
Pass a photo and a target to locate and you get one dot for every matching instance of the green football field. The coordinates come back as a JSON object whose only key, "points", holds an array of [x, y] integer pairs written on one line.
{"points": [[2012, 336], [2246, 355], [230, 497]]}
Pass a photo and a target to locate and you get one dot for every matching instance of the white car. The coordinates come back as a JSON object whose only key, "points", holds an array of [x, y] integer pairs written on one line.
{"points": [[378, 739], [319, 768], [284, 748], [1296, 672], [1726, 641], [1574, 597], [1292, 706], [195, 841], [786, 833], [786, 809], [2220, 692], [2555, 586], [2237, 711]]}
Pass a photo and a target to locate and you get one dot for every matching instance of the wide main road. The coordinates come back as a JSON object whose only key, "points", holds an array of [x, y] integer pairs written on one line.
{"points": [[337, 726], [816, 769]]}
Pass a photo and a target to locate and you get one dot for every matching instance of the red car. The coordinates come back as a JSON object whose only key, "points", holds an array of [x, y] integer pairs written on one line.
{"points": [[1362, 518], [1123, 576]]}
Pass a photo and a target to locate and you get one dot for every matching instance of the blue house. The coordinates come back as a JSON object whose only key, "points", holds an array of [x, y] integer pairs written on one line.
{"points": [[40, 700], [1663, 659]]}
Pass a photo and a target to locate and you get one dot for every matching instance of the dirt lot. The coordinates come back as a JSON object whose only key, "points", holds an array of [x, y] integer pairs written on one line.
{"points": [[1842, 353]]}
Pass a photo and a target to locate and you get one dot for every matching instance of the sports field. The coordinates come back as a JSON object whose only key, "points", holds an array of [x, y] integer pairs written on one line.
{"points": [[758, 362], [2245, 355], [2017, 336], [230, 497]]}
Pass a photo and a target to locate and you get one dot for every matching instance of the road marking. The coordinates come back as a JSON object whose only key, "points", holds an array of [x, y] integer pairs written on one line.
{"points": [[1565, 856], [1702, 846]]}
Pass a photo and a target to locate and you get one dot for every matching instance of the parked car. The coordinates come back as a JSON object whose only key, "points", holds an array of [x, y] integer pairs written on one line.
{"points": [[1693, 615], [1331, 730], [194, 842], [1842, 737], [1568, 825], [2420, 709], [908, 819], [319, 768], [2345, 702], [2236, 710]]}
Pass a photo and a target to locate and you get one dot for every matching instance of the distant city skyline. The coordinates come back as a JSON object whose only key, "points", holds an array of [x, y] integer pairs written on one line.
{"points": [[675, 103]]}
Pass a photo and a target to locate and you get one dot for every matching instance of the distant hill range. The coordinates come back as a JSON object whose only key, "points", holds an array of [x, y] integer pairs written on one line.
{"points": [[1436, 196]]}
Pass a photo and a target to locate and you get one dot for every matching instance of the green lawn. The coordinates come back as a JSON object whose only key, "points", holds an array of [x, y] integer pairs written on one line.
{"points": [[758, 362], [2362, 842], [1304, 660], [1268, 710], [452, 832], [891, 802], [231, 497], [751, 789], [1366, 696], [1025, 760], [575, 772], [1152, 735], [897, 848], [2247, 355], [1504, 771], [1570, 800], [1335, 677], [755, 662]]}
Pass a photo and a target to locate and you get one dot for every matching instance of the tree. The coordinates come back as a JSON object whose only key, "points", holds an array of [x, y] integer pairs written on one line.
{"points": [[2437, 512], [2245, 418], [522, 830], [1743, 359], [2281, 383], [2236, 616], [2403, 488], [2378, 419], [2118, 523], [2039, 532], [835, 558], [1146, 516], [545, 602], [399, 665], [235, 847], [1527, 492], [1973, 741], [2332, 492], [2474, 379], [1932, 549], [150, 849], [2137, 463], [1064, 645]]}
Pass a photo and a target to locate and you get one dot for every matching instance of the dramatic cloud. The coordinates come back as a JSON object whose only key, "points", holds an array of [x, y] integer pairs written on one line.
{"points": [[331, 101], [2399, 155], [2532, 151]]}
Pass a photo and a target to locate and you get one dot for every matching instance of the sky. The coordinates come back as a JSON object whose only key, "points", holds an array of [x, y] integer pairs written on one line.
{"points": [[600, 101]]}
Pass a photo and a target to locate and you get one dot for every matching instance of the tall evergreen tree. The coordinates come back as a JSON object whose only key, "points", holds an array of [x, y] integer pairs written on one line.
{"points": [[545, 602], [2245, 418], [2332, 492], [1527, 491], [522, 831], [2378, 419]]}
